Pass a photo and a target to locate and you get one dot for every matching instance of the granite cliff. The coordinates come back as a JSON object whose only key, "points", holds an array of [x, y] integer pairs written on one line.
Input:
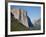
{"points": [[22, 16]]}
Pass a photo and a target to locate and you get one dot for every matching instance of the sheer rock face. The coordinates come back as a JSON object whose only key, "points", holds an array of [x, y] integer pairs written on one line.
{"points": [[20, 15], [16, 25]]}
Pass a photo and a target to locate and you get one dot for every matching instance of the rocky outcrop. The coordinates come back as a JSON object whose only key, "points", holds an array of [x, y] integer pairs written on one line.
{"points": [[22, 16], [16, 25]]}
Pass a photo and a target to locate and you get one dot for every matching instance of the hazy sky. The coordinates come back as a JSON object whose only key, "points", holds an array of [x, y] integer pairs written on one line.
{"points": [[34, 12]]}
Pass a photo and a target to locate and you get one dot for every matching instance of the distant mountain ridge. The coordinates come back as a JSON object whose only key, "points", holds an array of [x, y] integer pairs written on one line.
{"points": [[37, 24]]}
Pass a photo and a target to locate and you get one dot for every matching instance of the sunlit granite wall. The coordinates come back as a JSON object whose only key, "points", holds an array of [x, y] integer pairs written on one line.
{"points": [[20, 15]]}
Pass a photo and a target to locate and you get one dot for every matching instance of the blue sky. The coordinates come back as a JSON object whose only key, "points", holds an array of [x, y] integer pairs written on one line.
{"points": [[34, 12]]}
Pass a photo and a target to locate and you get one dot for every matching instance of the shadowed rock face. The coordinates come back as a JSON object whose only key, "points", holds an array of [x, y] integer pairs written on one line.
{"points": [[12, 14], [29, 22]]}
